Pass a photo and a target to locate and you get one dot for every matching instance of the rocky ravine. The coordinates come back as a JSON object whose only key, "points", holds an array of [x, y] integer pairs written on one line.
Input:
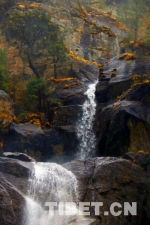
{"points": [[104, 180]]}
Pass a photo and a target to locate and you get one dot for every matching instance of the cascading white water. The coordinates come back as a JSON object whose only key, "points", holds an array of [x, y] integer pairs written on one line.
{"points": [[49, 182], [84, 126]]}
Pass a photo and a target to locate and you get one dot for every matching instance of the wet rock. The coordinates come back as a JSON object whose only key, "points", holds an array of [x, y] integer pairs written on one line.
{"points": [[12, 203], [7, 216], [139, 92], [50, 144], [110, 87], [141, 158], [72, 95], [123, 126], [18, 155], [111, 180], [15, 167], [6, 113], [16, 172], [66, 115], [70, 142], [31, 139]]}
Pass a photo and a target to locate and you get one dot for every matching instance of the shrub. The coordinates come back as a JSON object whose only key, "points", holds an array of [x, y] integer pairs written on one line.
{"points": [[4, 74], [22, 116], [56, 104]]}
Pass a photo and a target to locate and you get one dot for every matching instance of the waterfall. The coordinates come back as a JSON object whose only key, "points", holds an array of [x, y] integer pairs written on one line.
{"points": [[84, 126], [49, 182]]}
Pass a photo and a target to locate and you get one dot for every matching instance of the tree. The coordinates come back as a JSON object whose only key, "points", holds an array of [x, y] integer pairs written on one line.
{"points": [[56, 48], [146, 40], [4, 74], [37, 90], [131, 14], [5, 5], [31, 27]]}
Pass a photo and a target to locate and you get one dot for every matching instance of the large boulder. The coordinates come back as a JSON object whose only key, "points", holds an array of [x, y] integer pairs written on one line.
{"points": [[17, 155], [110, 180], [31, 139], [6, 113], [48, 144], [7, 216], [12, 203], [16, 172], [123, 126]]}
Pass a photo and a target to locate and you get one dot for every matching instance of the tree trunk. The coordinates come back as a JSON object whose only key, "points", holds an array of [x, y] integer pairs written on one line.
{"points": [[55, 68], [32, 66], [39, 101]]}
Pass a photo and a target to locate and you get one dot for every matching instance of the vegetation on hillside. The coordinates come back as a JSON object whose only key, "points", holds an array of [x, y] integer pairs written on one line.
{"points": [[4, 73], [34, 28]]}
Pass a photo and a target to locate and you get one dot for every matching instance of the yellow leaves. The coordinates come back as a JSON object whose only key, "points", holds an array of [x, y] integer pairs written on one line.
{"points": [[30, 6], [5, 116], [79, 31], [58, 80], [106, 15], [66, 86], [127, 56], [73, 56], [1, 144], [36, 122], [21, 6], [131, 42], [47, 124], [96, 64], [15, 119]]}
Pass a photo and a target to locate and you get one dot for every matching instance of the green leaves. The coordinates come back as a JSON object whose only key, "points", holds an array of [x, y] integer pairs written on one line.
{"points": [[4, 74], [37, 89], [28, 26]]}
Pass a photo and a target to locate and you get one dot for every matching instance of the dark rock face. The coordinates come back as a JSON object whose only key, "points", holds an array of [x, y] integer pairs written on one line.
{"points": [[124, 126], [7, 215], [139, 92], [27, 138], [140, 158], [15, 167], [45, 145], [109, 87], [6, 112], [66, 115], [12, 203], [111, 180], [16, 172]]}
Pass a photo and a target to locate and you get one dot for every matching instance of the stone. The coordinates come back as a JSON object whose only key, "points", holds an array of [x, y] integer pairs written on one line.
{"points": [[48, 144], [17, 155], [66, 115], [7, 216], [12, 203], [108, 180], [123, 127]]}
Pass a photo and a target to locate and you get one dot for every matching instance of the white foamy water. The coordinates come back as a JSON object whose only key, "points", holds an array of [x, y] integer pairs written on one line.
{"points": [[52, 182], [49, 182], [84, 126]]}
